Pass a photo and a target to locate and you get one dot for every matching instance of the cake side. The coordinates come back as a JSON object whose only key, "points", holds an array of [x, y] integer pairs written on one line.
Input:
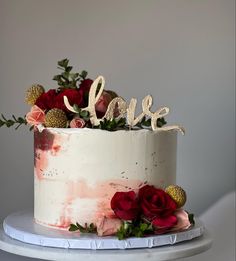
{"points": [[77, 171]]}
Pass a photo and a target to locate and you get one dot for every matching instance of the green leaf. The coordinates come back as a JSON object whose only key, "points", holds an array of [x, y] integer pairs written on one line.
{"points": [[92, 228], [67, 79], [191, 218], [73, 227], [65, 75], [63, 63], [4, 117], [150, 227], [143, 226], [76, 108], [136, 228], [86, 229], [81, 228], [146, 123], [69, 68], [21, 120], [10, 122], [161, 122], [74, 75], [56, 77], [83, 74], [84, 114], [121, 122]]}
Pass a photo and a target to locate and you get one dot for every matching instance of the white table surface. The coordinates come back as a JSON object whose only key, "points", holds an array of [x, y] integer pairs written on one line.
{"points": [[177, 251]]}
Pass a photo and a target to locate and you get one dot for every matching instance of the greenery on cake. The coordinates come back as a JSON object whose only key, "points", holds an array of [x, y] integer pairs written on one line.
{"points": [[150, 211], [14, 121], [49, 109]]}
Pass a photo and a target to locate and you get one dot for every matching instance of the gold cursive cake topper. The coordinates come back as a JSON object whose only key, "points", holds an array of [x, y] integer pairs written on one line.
{"points": [[123, 108]]}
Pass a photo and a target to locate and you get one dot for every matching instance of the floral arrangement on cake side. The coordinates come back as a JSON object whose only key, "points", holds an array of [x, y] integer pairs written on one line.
{"points": [[80, 102], [152, 211]]}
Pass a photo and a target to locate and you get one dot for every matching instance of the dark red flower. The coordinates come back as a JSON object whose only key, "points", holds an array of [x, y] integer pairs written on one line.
{"points": [[74, 97], [125, 205], [163, 224], [157, 206], [102, 104], [84, 89], [46, 100]]}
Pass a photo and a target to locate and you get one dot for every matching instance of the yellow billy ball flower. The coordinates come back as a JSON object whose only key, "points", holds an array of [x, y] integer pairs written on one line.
{"points": [[177, 194], [33, 93], [56, 118]]}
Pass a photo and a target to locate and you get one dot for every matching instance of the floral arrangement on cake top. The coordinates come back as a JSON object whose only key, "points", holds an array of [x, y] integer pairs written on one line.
{"points": [[150, 211], [80, 102]]}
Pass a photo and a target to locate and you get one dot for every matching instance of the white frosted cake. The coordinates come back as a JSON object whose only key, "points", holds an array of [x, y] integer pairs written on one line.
{"points": [[77, 171], [99, 166]]}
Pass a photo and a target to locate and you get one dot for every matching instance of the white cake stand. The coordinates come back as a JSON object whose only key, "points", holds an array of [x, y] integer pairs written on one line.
{"points": [[21, 226]]}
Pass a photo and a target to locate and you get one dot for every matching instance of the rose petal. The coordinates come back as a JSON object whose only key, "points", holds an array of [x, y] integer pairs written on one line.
{"points": [[165, 222], [36, 116], [182, 220], [108, 226]]}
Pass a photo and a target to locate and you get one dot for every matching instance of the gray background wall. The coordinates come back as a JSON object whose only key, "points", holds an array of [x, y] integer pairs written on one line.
{"points": [[180, 51]]}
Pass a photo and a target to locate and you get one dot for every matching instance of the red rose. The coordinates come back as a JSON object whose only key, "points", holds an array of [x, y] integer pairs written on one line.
{"points": [[158, 207], [84, 89], [74, 97], [85, 85], [125, 205], [46, 100]]}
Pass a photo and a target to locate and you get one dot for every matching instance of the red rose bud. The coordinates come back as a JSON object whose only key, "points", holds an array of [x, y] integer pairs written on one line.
{"points": [[125, 205], [77, 123], [84, 89], [156, 204], [74, 97], [46, 100]]}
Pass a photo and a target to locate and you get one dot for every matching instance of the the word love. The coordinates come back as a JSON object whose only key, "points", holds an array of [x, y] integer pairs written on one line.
{"points": [[118, 106]]}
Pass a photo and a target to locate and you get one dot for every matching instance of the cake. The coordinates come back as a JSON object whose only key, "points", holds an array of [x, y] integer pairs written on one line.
{"points": [[77, 171], [97, 166]]}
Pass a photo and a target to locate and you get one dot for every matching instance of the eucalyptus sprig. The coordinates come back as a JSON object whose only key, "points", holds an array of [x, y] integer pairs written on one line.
{"points": [[10, 122], [112, 125], [134, 229], [146, 122], [85, 115], [68, 79], [86, 229]]}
